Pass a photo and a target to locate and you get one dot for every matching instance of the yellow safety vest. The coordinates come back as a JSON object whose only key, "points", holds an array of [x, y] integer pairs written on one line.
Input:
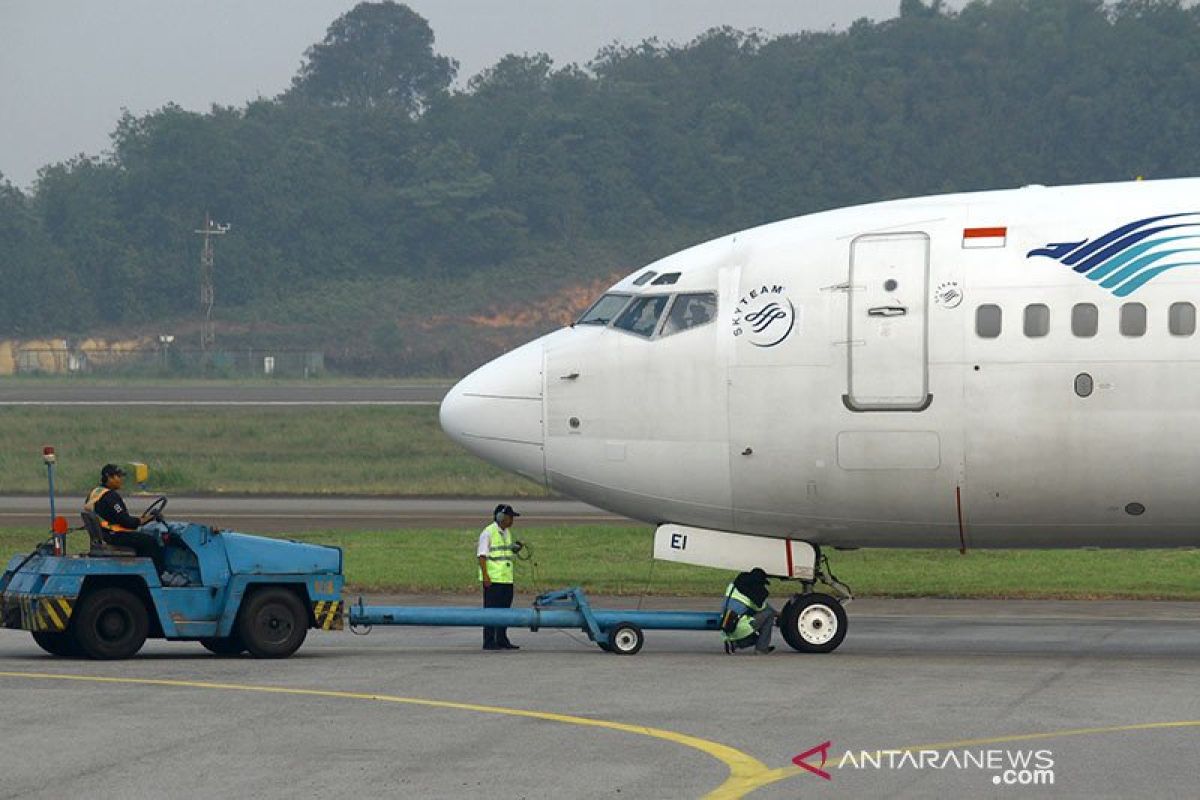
{"points": [[90, 505], [745, 623], [500, 555]]}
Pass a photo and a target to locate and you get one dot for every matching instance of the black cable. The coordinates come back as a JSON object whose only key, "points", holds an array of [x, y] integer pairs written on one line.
{"points": [[649, 578]]}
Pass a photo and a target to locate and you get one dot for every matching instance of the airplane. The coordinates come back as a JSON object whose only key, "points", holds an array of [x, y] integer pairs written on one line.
{"points": [[999, 369]]}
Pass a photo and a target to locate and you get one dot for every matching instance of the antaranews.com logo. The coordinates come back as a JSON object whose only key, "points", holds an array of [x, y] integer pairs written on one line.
{"points": [[1007, 767]]}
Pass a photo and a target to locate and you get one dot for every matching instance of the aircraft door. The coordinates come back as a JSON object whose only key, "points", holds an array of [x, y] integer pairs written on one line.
{"points": [[889, 342]]}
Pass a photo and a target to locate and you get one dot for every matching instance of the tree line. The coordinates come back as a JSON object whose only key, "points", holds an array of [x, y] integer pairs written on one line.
{"points": [[372, 177]]}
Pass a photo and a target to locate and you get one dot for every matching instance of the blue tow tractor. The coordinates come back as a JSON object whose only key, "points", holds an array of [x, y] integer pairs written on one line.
{"points": [[236, 593]]}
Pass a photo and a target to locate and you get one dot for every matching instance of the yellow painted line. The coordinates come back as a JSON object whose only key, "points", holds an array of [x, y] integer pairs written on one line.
{"points": [[746, 773], [774, 776]]}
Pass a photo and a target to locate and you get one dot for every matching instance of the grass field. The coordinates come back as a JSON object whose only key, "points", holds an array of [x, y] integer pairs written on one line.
{"points": [[615, 560], [394, 450], [100, 379]]}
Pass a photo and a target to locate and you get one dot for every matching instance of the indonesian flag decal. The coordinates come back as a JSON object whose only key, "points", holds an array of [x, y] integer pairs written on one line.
{"points": [[984, 237]]}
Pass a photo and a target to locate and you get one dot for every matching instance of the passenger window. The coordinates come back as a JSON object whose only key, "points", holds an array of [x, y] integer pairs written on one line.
{"points": [[1085, 320], [987, 321], [604, 309], [1037, 320], [1181, 319], [690, 311], [1133, 319], [642, 315]]}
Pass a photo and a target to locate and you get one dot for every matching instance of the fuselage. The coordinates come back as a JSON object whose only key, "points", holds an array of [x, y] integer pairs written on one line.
{"points": [[1013, 368]]}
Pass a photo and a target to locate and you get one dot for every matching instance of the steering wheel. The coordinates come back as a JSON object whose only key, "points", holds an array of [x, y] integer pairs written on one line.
{"points": [[154, 511]]}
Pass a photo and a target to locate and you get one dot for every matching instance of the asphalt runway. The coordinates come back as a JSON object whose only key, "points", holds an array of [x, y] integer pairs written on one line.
{"points": [[1106, 692], [308, 512], [14, 393]]}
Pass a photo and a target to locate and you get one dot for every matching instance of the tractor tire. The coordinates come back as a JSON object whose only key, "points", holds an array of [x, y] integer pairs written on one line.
{"points": [[813, 623], [224, 646], [272, 623], [110, 623], [57, 644]]}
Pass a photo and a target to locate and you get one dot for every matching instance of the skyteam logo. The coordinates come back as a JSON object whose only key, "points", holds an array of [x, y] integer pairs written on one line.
{"points": [[1125, 259], [765, 316]]}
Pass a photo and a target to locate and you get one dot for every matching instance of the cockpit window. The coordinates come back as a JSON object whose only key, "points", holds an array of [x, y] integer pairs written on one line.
{"points": [[642, 315], [644, 278], [666, 279], [604, 309], [690, 311]]}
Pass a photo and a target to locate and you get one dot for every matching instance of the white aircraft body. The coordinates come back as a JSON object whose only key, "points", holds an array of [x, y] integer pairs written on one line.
{"points": [[1013, 368]]}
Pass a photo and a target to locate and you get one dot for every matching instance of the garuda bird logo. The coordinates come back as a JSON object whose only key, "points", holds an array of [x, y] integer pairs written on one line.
{"points": [[1127, 258]]}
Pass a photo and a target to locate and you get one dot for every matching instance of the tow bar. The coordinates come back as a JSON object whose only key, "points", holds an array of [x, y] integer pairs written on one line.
{"points": [[614, 630]]}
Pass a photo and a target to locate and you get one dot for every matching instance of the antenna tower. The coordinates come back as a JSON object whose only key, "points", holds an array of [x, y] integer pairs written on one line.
{"points": [[207, 331]]}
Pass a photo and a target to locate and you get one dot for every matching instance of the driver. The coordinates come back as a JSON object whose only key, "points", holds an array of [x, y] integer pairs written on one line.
{"points": [[118, 527]]}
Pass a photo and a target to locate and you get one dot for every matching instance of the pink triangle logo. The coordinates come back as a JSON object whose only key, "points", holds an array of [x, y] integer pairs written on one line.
{"points": [[823, 749]]}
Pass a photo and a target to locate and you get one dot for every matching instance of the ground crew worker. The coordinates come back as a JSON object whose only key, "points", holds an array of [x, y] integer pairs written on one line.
{"points": [[747, 619], [117, 526], [495, 553]]}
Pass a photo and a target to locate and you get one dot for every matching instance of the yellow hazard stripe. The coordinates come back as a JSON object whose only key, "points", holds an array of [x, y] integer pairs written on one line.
{"points": [[328, 615], [59, 609], [43, 613], [50, 614]]}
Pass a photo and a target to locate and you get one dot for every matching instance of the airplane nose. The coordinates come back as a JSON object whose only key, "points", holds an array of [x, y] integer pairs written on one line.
{"points": [[496, 412]]}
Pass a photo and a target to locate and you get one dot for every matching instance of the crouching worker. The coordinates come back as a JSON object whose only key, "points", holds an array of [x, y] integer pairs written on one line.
{"points": [[746, 619]]}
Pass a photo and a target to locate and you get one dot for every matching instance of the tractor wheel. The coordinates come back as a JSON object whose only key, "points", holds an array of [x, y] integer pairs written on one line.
{"points": [[272, 623], [110, 623], [57, 644], [224, 646]]}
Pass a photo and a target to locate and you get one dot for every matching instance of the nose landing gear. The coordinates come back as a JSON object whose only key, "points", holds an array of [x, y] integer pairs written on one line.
{"points": [[815, 622]]}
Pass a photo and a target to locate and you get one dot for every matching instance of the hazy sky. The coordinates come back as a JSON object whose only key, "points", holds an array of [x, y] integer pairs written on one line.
{"points": [[68, 68]]}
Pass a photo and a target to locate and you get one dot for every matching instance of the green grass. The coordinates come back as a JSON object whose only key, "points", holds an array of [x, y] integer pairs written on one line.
{"points": [[392, 450], [616, 560], [100, 379]]}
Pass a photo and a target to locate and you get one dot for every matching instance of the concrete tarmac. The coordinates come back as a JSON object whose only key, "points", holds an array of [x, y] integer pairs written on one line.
{"points": [[15, 393], [254, 514], [1106, 692]]}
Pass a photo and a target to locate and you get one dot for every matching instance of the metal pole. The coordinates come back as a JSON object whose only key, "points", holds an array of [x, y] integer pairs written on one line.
{"points": [[60, 543], [50, 474]]}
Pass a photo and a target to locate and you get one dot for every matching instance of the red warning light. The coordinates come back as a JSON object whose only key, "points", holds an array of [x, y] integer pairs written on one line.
{"points": [[60, 525]]}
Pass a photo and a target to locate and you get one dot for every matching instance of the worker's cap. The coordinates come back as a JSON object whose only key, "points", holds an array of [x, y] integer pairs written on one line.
{"points": [[108, 470], [505, 508], [759, 575]]}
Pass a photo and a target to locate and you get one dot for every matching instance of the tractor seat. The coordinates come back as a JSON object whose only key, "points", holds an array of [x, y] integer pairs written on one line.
{"points": [[99, 547]]}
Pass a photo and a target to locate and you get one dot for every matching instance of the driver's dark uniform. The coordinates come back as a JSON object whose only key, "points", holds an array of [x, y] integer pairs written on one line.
{"points": [[119, 528]]}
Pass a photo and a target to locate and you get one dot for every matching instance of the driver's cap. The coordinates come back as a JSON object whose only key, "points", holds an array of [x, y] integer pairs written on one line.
{"points": [[108, 470]]}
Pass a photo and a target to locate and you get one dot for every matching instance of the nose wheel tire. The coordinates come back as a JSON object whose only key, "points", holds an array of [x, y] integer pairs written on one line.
{"points": [[110, 623], [813, 623], [272, 623], [625, 639]]}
